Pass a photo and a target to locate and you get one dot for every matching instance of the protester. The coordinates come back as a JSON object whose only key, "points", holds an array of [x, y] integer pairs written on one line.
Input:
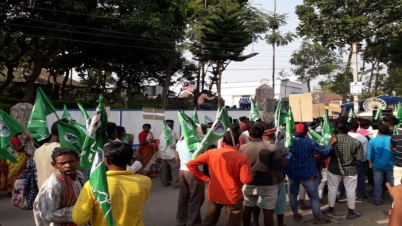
{"points": [[120, 133], [230, 169], [346, 156], [396, 146], [243, 121], [390, 121], [280, 207], [26, 188], [168, 156], [381, 159], [363, 166], [245, 137], [374, 129], [202, 98], [54, 203], [111, 130], [17, 168], [301, 169], [147, 149], [191, 193], [128, 191], [364, 126], [43, 155], [264, 160]]}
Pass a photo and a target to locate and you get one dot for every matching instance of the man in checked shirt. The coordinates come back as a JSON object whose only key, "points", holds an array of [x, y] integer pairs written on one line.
{"points": [[346, 156]]}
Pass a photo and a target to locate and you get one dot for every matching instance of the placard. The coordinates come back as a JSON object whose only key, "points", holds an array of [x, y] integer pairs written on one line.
{"points": [[302, 107], [318, 110]]}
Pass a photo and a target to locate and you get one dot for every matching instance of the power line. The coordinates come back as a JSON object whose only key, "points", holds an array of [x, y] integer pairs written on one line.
{"points": [[79, 32], [84, 14]]}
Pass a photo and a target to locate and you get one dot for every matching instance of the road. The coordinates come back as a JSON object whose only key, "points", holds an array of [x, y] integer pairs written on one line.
{"points": [[160, 210]]}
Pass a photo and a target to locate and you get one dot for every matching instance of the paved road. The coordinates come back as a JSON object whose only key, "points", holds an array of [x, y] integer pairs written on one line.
{"points": [[160, 210]]}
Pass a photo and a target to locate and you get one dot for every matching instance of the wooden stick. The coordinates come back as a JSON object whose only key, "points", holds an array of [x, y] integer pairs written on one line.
{"points": [[57, 116], [231, 135]]}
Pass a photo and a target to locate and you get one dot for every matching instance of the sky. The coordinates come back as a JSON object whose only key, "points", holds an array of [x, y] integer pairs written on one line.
{"points": [[260, 66]]}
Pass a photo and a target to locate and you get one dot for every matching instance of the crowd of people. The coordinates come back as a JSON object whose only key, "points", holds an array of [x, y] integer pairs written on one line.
{"points": [[245, 172]]}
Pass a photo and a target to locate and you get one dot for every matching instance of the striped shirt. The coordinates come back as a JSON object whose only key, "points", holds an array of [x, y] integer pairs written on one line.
{"points": [[48, 208], [396, 140], [128, 193]]}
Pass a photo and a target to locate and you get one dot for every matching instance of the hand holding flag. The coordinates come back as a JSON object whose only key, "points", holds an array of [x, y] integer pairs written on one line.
{"points": [[217, 131]]}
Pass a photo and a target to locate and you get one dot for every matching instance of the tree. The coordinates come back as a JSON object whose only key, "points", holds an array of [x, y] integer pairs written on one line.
{"points": [[275, 37], [313, 60], [225, 35]]}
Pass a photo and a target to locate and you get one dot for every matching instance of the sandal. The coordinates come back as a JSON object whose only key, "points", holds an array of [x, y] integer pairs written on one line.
{"points": [[297, 218], [357, 215]]}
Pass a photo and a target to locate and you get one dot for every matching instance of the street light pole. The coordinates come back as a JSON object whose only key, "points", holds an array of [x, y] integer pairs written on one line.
{"points": [[355, 97]]}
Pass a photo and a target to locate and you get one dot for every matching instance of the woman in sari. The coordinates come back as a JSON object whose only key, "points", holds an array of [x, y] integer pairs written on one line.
{"points": [[147, 150], [17, 168]]}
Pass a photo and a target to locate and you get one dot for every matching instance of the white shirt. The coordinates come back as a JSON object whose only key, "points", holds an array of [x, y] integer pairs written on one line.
{"points": [[137, 165], [167, 151], [43, 162], [185, 155], [373, 133], [363, 140]]}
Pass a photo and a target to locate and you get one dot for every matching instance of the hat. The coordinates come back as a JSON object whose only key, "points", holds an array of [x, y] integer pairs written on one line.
{"points": [[301, 130]]}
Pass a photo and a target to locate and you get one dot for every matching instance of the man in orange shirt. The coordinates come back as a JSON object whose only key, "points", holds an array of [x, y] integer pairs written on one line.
{"points": [[229, 170]]}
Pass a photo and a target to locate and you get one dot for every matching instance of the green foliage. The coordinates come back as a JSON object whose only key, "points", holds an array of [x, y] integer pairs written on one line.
{"points": [[313, 60]]}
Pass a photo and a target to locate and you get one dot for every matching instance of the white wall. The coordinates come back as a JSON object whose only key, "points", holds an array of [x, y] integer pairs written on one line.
{"points": [[133, 120], [232, 92]]}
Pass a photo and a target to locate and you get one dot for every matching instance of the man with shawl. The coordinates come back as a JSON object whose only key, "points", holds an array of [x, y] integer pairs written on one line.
{"points": [[59, 193]]}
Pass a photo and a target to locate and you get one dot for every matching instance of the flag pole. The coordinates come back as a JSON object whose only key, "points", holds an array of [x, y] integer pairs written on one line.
{"points": [[57, 116]]}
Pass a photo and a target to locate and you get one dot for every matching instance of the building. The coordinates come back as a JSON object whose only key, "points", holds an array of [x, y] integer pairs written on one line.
{"points": [[329, 98], [233, 91]]}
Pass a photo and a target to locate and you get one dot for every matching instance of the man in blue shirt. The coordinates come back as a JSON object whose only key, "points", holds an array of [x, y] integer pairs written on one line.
{"points": [[301, 169], [381, 160]]}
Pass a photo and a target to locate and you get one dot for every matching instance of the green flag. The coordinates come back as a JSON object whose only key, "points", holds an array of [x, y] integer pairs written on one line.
{"points": [[85, 115], [98, 125], [254, 112], [378, 113], [207, 120], [350, 115], [93, 157], [37, 124], [65, 114], [327, 129], [290, 128], [278, 110], [317, 137], [399, 117], [217, 131], [8, 128], [47, 105], [69, 136], [189, 130], [195, 116], [168, 134]]}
